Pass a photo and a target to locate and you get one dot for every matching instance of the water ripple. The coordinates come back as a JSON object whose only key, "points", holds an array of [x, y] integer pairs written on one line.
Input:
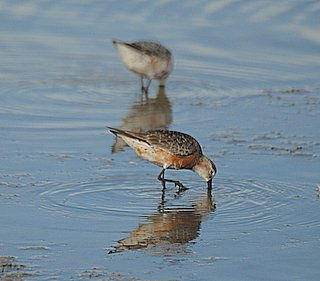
{"points": [[253, 204], [101, 199], [241, 204]]}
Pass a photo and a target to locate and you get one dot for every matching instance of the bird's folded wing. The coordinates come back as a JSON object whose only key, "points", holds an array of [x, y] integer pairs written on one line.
{"points": [[174, 142]]}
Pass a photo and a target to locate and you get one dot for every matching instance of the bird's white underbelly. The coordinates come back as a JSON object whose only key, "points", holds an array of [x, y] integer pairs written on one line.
{"points": [[146, 152], [142, 64]]}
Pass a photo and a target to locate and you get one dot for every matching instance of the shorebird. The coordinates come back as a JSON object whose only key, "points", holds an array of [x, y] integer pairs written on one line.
{"points": [[147, 59], [170, 150]]}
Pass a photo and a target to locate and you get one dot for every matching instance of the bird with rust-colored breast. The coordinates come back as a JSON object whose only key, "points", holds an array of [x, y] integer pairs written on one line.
{"points": [[170, 150], [147, 59]]}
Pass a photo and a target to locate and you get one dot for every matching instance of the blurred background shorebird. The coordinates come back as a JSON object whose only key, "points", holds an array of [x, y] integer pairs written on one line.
{"points": [[147, 59]]}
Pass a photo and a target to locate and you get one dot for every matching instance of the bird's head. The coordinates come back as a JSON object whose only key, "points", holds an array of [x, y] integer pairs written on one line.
{"points": [[206, 169]]}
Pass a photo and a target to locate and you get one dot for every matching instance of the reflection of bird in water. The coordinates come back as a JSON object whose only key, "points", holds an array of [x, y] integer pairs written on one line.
{"points": [[151, 114], [176, 226], [147, 59], [170, 150]]}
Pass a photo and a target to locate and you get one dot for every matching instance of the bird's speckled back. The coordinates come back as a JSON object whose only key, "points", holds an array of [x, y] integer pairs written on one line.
{"points": [[177, 143], [151, 48]]}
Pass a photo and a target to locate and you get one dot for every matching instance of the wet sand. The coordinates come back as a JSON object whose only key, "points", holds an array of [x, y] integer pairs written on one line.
{"points": [[77, 204]]}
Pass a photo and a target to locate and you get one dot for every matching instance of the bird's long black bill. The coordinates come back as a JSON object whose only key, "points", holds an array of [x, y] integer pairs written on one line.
{"points": [[209, 184]]}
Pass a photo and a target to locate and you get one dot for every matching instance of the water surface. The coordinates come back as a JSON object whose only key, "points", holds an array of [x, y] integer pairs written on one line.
{"points": [[77, 204]]}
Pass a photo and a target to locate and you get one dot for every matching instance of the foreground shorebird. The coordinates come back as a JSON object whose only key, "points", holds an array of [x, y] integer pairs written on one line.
{"points": [[170, 150], [147, 59]]}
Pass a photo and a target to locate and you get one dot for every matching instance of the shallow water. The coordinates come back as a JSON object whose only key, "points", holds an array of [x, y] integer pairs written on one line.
{"points": [[77, 204]]}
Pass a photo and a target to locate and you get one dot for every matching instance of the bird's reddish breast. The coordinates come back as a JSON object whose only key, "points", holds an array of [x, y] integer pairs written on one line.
{"points": [[175, 161]]}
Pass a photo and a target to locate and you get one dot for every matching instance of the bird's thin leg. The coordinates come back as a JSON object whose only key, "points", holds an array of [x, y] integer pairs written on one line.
{"points": [[144, 89], [163, 194], [148, 85], [161, 178], [142, 86], [177, 183]]}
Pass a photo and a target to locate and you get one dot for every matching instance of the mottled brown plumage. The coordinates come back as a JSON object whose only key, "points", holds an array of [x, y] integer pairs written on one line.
{"points": [[177, 143], [150, 48], [170, 150]]}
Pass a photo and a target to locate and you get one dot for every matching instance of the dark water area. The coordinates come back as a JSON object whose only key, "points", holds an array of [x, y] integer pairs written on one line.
{"points": [[77, 204]]}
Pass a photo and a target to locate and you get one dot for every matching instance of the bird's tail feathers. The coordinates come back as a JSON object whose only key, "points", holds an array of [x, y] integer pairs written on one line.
{"points": [[128, 134]]}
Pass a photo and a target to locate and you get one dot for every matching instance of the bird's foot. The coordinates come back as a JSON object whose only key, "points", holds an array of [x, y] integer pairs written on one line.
{"points": [[181, 186]]}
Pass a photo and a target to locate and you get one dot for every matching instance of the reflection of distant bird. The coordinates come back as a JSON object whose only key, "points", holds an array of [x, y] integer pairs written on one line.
{"points": [[170, 150], [174, 226], [147, 59], [151, 114]]}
